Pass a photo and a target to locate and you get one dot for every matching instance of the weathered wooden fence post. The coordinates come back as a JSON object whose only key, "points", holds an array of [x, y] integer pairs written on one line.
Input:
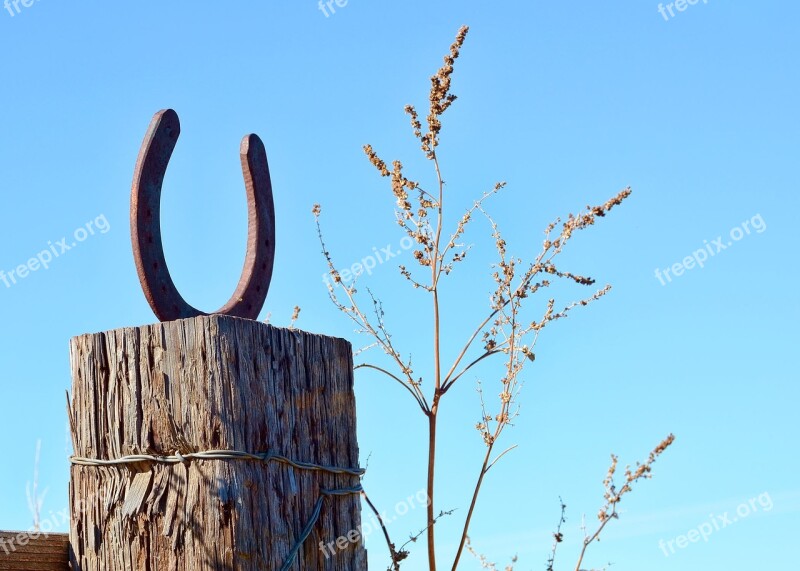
{"points": [[211, 441], [212, 383]]}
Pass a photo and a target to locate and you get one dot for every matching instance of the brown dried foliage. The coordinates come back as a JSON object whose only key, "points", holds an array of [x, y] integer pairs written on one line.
{"points": [[501, 332]]}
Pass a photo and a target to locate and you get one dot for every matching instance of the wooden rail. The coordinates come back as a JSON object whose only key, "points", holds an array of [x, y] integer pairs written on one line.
{"points": [[21, 551]]}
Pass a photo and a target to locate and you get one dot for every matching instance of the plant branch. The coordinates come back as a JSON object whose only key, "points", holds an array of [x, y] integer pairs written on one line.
{"points": [[468, 367], [419, 398], [473, 502], [396, 555]]}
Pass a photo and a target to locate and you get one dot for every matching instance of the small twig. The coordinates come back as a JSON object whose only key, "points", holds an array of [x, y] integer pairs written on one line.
{"points": [[295, 315], [558, 537], [419, 398], [415, 537], [503, 453], [35, 501], [485, 563], [613, 497], [397, 555]]}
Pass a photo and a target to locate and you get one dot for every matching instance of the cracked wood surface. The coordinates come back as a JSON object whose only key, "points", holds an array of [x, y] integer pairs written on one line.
{"points": [[211, 382]]}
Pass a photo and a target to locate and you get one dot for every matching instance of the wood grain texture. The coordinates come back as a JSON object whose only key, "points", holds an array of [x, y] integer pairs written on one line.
{"points": [[211, 382], [23, 551]]}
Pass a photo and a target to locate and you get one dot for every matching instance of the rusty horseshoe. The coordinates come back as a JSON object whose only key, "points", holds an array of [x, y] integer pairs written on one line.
{"points": [[148, 252]]}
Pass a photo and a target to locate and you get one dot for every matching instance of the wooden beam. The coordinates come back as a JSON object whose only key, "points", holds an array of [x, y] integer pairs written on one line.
{"points": [[25, 551]]}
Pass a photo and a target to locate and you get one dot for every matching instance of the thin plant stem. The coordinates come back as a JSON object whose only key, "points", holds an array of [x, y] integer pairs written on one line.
{"points": [[437, 373], [396, 556], [476, 491]]}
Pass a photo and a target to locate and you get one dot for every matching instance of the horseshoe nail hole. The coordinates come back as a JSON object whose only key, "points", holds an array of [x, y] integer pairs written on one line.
{"points": [[149, 213], [164, 288], [149, 239], [258, 288], [155, 265], [263, 266]]}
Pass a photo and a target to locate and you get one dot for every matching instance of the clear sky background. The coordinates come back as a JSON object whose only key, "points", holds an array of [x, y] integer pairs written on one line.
{"points": [[567, 101]]}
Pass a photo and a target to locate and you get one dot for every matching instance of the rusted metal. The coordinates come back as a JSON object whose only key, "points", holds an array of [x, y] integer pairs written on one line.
{"points": [[148, 251]]}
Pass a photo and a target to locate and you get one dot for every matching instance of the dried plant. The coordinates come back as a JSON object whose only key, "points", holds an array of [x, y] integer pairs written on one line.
{"points": [[485, 563], [292, 320], [295, 316], [612, 497], [502, 332], [34, 497]]}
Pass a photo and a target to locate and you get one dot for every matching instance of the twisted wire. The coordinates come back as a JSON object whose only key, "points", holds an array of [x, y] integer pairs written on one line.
{"points": [[264, 457]]}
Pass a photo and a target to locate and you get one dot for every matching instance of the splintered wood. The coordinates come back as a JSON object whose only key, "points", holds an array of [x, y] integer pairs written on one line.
{"points": [[211, 383]]}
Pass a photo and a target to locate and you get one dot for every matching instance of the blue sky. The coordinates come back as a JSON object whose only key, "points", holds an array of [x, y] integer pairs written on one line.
{"points": [[568, 102]]}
